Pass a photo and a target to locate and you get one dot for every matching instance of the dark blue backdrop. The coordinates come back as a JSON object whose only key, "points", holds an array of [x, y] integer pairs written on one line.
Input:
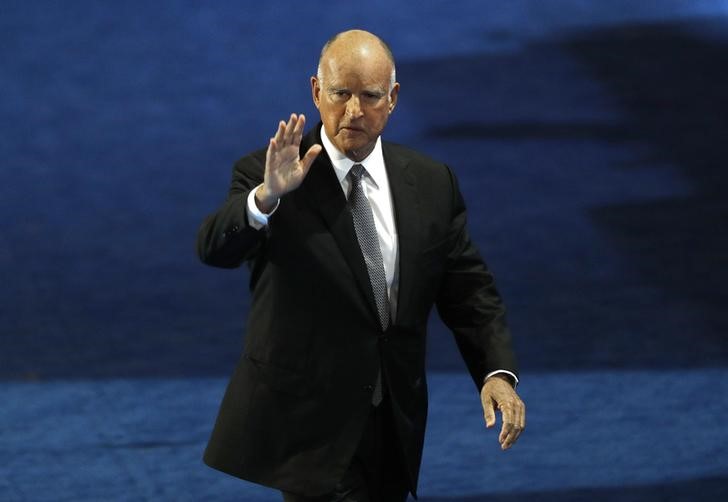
{"points": [[590, 141]]}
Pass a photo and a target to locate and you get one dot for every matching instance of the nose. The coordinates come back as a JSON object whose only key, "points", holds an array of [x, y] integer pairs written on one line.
{"points": [[353, 107]]}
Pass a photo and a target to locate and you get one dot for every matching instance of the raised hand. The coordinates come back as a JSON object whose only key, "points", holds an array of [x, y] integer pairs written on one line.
{"points": [[284, 169], [498, 394]]}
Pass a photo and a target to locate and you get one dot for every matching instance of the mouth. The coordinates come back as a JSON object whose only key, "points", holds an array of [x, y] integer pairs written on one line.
{"points": [[351, 129]]}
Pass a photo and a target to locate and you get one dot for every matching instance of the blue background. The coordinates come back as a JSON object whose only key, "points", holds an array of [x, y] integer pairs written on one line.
{"points": [[590, 141]]}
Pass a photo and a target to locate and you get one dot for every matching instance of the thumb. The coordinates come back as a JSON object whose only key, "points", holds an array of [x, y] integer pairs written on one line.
{"points": [[489, 413], [308, 159]]}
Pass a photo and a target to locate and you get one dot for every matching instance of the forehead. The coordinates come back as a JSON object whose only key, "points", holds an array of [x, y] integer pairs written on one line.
{"points": [[356, 66]]}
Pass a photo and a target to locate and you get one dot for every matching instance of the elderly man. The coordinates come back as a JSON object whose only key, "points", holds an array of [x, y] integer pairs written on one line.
{"points": [[351, 241]]}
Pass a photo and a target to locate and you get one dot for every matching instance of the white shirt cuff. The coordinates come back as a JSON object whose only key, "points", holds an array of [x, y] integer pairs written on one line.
{"points": [[515, 378], [256, 218]]}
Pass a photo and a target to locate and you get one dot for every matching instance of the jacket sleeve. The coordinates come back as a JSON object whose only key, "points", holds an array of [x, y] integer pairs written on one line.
{"points": [[469, 303], [225, 239]]}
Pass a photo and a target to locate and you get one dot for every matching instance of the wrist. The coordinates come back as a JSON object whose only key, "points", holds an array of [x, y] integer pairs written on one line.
{"points": [[264, 200], [502, 376]]}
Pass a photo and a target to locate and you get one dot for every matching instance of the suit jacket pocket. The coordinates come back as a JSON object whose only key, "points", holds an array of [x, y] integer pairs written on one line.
{"points": [[279, 378]]}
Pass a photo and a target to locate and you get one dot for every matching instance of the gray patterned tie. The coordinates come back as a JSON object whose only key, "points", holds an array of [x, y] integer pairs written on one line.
{"points": [[366, 234]]}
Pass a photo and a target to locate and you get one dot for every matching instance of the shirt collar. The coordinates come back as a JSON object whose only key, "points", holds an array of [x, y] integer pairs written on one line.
{"points": [[373, 163]]}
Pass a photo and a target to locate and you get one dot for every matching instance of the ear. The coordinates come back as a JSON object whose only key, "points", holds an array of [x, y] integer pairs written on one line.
{"points": [[393, 97], [315, 91]]}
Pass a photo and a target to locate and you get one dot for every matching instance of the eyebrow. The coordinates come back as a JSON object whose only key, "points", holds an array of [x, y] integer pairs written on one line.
{"points": [[377, 91]]}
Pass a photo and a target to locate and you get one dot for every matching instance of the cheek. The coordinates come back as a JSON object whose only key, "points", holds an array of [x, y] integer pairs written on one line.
{"points": [[332, 116], [379, 120]]}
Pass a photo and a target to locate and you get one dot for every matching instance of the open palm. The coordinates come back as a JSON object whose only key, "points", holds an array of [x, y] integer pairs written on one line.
{"points": [[284, 169]]}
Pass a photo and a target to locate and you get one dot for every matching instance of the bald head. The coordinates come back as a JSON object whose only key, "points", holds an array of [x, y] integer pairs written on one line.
{"points": [[356, 46]]}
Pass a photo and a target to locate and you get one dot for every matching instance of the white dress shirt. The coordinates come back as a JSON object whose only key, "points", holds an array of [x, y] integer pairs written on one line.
{"points": [[375, 184]]}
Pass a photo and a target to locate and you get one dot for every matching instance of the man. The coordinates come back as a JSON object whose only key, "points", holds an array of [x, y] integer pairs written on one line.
{"points": [[350, 241]]}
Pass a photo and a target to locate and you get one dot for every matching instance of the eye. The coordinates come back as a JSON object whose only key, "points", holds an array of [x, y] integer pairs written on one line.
{"points": [[372, 96]]}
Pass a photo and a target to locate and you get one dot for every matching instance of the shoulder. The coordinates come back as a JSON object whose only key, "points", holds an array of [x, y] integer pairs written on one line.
{"points": [[410, 155], [429, 171]]}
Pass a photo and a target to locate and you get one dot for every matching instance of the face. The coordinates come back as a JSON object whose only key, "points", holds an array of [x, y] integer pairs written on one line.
{"points": [[354, 99]]}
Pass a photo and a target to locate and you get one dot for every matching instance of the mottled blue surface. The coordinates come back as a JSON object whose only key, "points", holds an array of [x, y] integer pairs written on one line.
{"points": [[615, 436], [590, 139]]}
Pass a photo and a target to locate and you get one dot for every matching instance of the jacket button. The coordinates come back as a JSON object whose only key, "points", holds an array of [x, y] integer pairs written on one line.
{"points": [[235, 228], [369, 387], [224, 235]]}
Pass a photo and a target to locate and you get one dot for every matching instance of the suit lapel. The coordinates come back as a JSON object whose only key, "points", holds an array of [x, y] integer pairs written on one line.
{"points": [[328, 199], [403, 185], [324, 190]]}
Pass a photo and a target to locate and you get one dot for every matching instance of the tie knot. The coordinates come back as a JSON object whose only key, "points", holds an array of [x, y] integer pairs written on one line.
{"points": [[356, 172]]}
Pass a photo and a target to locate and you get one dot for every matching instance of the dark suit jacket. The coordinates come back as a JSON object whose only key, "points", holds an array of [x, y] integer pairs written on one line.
{"points": [[298, 400]]}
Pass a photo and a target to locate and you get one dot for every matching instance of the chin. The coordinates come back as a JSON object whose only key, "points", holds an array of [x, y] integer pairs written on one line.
{"points": [[354, 146], [350, 147]]}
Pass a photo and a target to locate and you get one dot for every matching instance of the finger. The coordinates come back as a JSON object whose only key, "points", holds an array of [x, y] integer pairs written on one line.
{"points": [[489, 413], [298, 131], [505, 431], [517, 426], [310, 156], [519, 414], [511, 438], [290, 127], [508, 421], [520, 420], [280, 133], [272, 149]]}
